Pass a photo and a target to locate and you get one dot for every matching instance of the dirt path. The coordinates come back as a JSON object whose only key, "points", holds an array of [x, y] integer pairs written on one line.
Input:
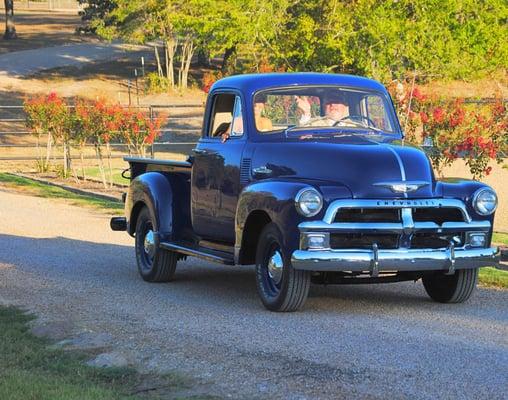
{"points": [[378, 342], [36, 29], [27, 62]]}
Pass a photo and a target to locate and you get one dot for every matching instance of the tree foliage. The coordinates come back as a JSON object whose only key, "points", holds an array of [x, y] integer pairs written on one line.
{"points": [[378, 38], [384, 39]]}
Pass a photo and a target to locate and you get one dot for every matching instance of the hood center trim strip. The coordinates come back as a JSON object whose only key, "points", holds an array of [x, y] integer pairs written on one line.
{"points": [[401, 165]]}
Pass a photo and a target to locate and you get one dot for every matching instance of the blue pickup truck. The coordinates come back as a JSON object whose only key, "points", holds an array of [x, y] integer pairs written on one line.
{"points": [[306, 176]]}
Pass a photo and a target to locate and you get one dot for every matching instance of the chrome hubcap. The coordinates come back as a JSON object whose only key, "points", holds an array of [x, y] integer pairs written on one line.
{"points": [[275, 265], [149, 244]]}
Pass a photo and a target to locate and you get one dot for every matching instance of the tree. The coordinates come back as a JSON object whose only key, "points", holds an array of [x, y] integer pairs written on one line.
{"points": [[10, 29], [96, 9], [246, 29], [382, 39], [180, 24]]}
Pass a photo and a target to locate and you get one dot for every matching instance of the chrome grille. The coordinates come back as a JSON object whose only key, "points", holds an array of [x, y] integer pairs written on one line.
{"points": [[435, 215], [363, 241], [425, 223], [368, 215], [407, 217]]}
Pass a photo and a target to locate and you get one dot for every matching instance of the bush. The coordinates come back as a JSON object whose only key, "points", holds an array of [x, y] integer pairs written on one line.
{"points": [[454, 130], [157, 83], [89, 122], [209, 78], [49, 115]]}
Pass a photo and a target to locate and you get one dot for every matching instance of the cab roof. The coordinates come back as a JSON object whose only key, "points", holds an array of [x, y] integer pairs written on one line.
{"points": [[251, 83]]}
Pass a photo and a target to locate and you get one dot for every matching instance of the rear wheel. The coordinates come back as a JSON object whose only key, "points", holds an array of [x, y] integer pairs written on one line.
{"points": [[455, 288], [154, 264], [280, 287]]}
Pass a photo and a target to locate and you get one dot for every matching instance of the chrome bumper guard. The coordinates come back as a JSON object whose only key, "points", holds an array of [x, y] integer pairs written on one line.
{"points": [[377, 260]]}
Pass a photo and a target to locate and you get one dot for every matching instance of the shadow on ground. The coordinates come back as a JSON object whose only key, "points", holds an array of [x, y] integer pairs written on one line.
{"points": [[197, 282]]}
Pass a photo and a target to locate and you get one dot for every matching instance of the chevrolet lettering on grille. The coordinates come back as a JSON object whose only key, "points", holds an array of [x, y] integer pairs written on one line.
{"points": [[407, 203]]}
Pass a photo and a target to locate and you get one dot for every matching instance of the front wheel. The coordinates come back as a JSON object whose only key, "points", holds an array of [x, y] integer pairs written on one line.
{"points": [[280, 287], [455, 288], [154, 264]]}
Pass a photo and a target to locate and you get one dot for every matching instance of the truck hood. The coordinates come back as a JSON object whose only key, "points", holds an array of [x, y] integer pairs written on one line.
{"points": [[366, 167]]}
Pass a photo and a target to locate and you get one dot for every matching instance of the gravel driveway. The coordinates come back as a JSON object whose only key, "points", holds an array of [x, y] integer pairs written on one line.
{"points": [[376, 341]]}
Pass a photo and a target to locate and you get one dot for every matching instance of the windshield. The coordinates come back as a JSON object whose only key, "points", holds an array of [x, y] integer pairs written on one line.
{"points": [[311, 107]]}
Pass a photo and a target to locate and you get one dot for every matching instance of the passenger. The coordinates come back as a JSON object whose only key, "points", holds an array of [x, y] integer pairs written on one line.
{"points": [[263, 124], [335, 108]]}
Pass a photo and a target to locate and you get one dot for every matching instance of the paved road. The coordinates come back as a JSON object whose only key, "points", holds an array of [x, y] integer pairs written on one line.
{"points": [[27, 62], [378, 342]]}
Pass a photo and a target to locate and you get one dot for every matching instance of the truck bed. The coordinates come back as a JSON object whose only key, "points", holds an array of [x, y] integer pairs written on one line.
{"points": [[139, 165]]}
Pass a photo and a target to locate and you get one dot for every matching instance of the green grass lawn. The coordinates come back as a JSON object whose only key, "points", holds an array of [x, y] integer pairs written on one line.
{"points": [[493, 276], [48, 191], [500, 238], [29, 369], [32, 368], [94, 173]]}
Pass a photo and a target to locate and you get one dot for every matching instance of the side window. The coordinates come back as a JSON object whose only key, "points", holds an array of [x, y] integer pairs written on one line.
{"points": [[222, 114], [374, 110], [237, 129]]}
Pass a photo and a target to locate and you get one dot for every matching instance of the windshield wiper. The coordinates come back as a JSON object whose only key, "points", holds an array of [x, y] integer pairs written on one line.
{"points": [[290, 128]]}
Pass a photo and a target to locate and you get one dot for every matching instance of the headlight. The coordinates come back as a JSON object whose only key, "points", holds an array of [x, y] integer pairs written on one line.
{"points": [[308, 202], [485, 201]]}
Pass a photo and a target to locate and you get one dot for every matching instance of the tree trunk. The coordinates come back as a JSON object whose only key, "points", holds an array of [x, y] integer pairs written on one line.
{"points": [[229, 61], [100, 161], [81, 155], [187, 53], [65, 159], [68, 158], [40, 163], [159, 68], [10, 29], [48, 152], [171, 46], [203, 58], [110, 167]]}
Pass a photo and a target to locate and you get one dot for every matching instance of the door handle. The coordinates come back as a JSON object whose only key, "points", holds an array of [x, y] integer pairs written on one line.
{"points": [[262, 170]]}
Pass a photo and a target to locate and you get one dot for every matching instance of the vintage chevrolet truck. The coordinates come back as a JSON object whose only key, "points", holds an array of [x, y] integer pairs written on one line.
{"points": [[307, 177]]}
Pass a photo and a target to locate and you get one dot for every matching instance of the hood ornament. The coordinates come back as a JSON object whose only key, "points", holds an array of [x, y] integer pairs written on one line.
{"points": [[402, 186]]}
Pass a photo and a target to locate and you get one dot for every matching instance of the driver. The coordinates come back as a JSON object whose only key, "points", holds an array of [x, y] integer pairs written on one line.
{"points": [[335, 108]]}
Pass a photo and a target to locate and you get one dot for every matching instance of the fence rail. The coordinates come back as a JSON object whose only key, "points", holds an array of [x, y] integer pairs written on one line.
{"points": [[16, 127], [151, 110], [45, 5]]}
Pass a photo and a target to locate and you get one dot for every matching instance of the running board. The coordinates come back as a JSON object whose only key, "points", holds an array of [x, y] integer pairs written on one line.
{"points": [[200, 252]]}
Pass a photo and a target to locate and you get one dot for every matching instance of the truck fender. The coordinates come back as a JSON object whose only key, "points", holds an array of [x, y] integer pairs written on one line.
{"points": [[464, 189], [275, 199], [153, 190]]}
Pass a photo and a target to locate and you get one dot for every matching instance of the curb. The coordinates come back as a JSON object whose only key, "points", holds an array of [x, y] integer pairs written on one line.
{"points": [[69, 188]]}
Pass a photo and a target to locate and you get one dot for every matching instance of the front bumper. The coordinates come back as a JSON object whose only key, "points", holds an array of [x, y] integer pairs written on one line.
{"points": [[375, 261], [372, 259]]}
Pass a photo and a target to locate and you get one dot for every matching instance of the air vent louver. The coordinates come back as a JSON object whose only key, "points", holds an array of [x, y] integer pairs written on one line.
{"points": [[245, 171]]}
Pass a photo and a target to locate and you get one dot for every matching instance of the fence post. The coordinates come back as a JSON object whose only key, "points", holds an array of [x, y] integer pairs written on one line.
{"points": [[152, 152], [137, 87], [129, 91]]}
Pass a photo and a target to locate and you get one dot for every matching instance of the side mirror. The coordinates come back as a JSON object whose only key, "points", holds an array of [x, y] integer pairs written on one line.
{"points": [[428, 142]]}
